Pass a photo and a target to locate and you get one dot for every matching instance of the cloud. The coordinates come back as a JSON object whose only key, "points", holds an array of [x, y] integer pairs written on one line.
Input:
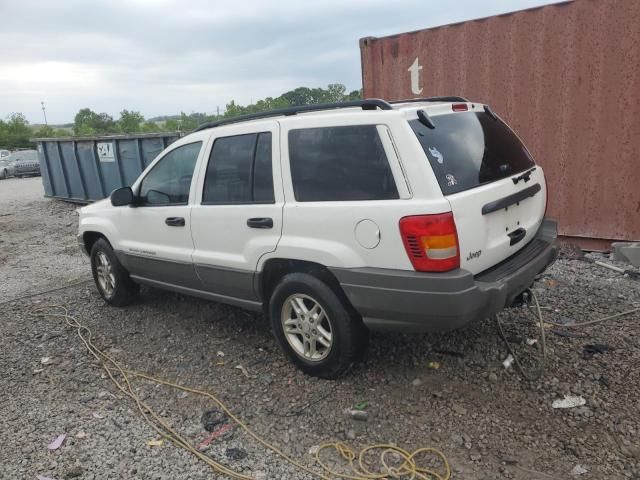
{"points": [[166, 56]]}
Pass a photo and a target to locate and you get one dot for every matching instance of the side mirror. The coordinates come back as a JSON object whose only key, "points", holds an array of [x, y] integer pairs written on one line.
{"points": [[121, 197]]}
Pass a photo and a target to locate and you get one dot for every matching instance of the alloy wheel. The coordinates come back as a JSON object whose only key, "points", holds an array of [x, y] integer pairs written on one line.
{"points": [[104, 273], [307, 327]]}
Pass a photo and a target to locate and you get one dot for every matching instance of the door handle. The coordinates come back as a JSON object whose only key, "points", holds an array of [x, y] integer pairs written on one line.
{"points": [[517, 235], [174, 221], [263, 222]]}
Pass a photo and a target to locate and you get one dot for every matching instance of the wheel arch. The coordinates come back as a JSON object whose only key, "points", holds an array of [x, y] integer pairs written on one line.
{"points": [[90, 237], [275, 269]]}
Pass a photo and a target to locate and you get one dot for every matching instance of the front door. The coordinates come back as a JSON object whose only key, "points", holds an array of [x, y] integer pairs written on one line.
{"points": [[237, 215], [156, 239]]}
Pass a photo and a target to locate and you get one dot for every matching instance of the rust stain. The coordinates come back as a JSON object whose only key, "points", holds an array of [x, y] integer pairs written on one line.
{"points": [[566, 77]]}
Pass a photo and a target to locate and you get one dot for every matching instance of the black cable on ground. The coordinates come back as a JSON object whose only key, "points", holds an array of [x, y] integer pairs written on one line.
{"points": [[543, 343], [37, 294]]}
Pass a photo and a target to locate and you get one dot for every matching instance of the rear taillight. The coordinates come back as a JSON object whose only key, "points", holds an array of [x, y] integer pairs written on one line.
{"points": [[459, 107], [431, 242]]}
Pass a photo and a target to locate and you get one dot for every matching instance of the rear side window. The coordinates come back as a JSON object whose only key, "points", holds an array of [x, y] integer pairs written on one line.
{"points": [[240, 170], [467, 150], [340, 163]]}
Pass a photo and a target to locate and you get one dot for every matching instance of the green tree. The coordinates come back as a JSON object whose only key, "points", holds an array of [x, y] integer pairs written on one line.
{"points": [[15, 132], [354, 95], [185, 123], [334, 93], [188, 122], [4, 134], [47, 131], [150, 127], [233, 110], [299, 96], [85, 122], [130, 121], [104, 123], [172, 125], [18, 124]]}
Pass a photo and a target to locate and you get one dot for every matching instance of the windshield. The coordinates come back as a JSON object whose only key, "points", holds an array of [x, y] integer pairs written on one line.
{"points": [[467, 150], [25, 156]]}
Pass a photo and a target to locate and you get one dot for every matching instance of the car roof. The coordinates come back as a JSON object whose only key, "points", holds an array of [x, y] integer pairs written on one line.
{"points": [[371, 104]]}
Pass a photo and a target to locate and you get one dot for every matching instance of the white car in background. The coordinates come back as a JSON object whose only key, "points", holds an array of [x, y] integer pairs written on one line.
{"points": [[25, 163], [415, 216], [7, 168]]}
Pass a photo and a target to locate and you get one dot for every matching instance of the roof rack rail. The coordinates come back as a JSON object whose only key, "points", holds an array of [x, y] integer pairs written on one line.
{"points": [[368, 104], [432, 99]]}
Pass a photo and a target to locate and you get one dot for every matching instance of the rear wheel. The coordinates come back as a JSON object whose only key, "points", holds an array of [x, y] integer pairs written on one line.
{"points": [[4, 174], [112, 280], [321, 335]]}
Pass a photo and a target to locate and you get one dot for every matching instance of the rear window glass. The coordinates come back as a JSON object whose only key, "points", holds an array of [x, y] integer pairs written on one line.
{"points": [[340, 163], [467, 150]]}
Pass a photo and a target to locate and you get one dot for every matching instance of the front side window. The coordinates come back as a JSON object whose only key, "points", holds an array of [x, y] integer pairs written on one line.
{"points": [[240, 170], [169, 180], [340, 163]]}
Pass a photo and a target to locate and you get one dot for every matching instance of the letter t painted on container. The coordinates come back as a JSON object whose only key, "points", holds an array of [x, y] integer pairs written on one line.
{"points": [[414, 69]]}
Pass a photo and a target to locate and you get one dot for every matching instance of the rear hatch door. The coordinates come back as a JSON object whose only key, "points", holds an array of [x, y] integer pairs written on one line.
{"points": [[496, 192]]}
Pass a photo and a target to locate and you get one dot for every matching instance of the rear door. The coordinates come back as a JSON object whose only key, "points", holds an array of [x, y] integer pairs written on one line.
{"points": [[238, 213], [497, 193]]}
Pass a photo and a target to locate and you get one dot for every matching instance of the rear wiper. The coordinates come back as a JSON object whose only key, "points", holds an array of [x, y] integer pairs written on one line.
{"points": [[425, 119], [526, 176]]}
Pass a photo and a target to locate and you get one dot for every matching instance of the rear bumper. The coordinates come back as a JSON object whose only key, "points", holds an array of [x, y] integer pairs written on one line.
{"points": [[419, 302], [27, 171]]}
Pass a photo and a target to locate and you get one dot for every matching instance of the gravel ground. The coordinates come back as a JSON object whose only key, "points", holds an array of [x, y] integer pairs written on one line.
{"points": [[489, 422]]}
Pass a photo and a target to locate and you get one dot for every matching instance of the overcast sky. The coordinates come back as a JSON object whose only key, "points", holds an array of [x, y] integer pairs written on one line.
{"points": [[166, 56]]}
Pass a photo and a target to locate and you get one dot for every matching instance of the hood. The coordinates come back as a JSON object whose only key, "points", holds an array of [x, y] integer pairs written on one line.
{"points": [[95, 206]]}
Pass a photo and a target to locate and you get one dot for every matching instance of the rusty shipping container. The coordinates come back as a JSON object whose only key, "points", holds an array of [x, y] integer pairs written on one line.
{"points": [[565, 76]]}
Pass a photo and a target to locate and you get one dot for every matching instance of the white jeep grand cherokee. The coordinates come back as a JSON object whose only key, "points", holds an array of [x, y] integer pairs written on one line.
{"points": [[416, 216]]}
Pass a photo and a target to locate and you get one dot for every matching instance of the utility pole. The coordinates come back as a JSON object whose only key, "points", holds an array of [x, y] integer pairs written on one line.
{"points": [[44, 113], [218, 113]]}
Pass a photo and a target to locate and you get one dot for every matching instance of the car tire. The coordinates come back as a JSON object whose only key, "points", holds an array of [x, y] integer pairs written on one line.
{"points": [[319, 332], [111, 279], [4, 174]]}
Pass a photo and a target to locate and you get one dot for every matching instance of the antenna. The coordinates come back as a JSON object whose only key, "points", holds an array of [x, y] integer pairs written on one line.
{"points": [[44, 113]]}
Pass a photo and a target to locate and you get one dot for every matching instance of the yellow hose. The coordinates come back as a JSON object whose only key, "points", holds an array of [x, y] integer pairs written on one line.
{"points": [[122, 378]]}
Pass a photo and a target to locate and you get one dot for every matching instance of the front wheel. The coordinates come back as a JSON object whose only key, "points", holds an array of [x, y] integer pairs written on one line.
{"points": [[113, 281], [4, 174], [321, 335]]}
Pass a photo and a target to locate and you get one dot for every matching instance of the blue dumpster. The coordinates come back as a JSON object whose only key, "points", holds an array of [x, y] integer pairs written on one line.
{"points": [[85, 169]]}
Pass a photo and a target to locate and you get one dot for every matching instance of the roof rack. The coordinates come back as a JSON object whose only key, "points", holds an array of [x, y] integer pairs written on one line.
{"points": [[432, 99], [368, 104]]}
